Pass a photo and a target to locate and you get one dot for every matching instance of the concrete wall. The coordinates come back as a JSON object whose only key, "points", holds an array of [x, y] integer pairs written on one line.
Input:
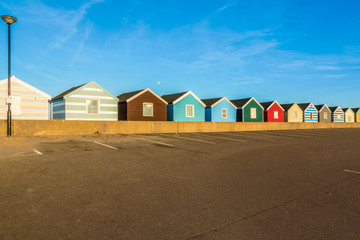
{"points": [[60, 127]]}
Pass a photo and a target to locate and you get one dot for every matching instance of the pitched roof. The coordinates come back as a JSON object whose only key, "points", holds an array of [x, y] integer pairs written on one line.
{"points": [[332, 109], [303, 106], [61, 95], [170, 98], [287, 106], [240, 102], [125, 96], [266, 104], [355, 110], [345, 109], [209, 102]]}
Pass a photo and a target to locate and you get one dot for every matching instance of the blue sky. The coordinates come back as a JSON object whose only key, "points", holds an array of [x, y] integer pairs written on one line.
{"points": [[290, 51]]}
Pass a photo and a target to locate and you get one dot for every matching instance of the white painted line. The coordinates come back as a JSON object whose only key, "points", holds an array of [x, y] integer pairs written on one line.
{"points": [[247, 136], [351, 171], [198, 140], [169, 145], [36, 151], [274, 134], [105, 145], [231, 139]]}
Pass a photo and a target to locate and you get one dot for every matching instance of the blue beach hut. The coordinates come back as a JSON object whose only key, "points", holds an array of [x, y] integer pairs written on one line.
{"points": [[337, 114], [310, 113], [219, 110], [184, 107]]}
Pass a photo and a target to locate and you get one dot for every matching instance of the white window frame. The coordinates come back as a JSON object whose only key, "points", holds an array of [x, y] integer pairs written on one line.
{"points": [[193, 110], [152, 109], [224, 111], [253, 113], [325, 115], [276, 114], [87, 106]]}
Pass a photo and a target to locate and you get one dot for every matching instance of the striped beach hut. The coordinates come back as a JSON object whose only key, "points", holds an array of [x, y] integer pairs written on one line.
{"points": [[27, 102], [85, 102], [349, 115], [310, 113], [337, 114]]}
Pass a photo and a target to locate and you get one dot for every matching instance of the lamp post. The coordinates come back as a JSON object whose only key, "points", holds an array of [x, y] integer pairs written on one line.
{"points": [[9, 20]]}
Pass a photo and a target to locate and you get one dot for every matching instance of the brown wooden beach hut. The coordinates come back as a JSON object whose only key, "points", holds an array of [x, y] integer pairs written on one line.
{"points": [[142, 105]]}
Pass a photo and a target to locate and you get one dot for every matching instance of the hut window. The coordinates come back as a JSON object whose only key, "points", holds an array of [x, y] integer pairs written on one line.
{"points": [[224, 113], [295, 114], [349, 119], [338, 117], [190, 111], [325, 115], [311, 115], [276, 114], [252, 113], [92, 106], [148, 109]]}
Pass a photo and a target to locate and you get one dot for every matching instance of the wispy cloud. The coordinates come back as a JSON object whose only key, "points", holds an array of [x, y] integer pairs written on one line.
{"points": [[227, 6], [87, 32], [37, 70]]}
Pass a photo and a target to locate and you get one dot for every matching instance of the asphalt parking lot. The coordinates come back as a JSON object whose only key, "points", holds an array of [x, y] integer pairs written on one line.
{"points": [[291, 184]]}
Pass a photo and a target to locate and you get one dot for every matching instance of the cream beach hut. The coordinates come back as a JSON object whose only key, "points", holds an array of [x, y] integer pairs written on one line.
{"points": [[349, 115], [292, 112]]}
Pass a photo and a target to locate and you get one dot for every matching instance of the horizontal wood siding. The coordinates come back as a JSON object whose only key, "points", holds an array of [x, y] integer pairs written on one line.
{"points": [[58, 109], [76, 104], [307, 114], [322, 114], [135, 108], [337, 115], [32, 105]]}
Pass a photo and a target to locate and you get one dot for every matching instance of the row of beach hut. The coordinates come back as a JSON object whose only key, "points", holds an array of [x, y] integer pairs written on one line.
{"points": [[90, 101]]}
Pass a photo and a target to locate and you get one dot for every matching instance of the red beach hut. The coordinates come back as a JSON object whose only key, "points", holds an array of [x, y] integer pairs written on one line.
{"points": [[273, 112]]}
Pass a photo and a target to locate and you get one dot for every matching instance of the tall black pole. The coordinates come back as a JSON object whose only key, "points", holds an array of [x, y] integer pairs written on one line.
{"points": [[9, 88]]}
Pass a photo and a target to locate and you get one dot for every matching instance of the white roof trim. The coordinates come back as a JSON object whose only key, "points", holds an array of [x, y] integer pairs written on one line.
{"points": [[255, 101], [142, 92], [186, 94], [323, 107], [309, 106], [220, 100], [273, 104], [349, 109], [26, 85], [84, 85], [295, 105], [339, 108]]}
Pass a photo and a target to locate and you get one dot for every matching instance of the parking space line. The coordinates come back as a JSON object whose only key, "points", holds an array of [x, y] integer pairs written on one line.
{"points": [[231, 139], [105, 145], [245, 135], [280, 135], [346, 170], [307, 134], [192, 139], [313, 132], [148, 140], [36, 151]]}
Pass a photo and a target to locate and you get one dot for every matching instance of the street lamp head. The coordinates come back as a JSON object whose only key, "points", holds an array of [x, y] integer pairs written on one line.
{"points": [[8, 19]]}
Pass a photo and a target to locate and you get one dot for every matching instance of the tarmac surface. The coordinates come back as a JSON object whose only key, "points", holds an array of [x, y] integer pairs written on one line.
{"points": [[293, 184]]}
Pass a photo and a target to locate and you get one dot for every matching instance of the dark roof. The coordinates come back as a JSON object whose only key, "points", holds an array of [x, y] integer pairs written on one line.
{"points": [[355, 110], [61, 95], [210, 101], [125, 96], [303, 106], [287, 106], [240, 102], [345, 109], [318, 107], [170, 98], [266, 104], [332, 109]]}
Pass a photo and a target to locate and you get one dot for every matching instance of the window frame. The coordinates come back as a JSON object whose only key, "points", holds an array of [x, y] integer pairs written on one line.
{"points": [[193, 110], [87, 106], [222, 113], [251, 113], [152, 109], [276, 114], [325, 115]]}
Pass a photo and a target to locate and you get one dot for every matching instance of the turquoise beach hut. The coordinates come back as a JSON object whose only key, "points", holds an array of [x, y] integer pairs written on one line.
{"points": [[184, 107], [219, 110]]}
